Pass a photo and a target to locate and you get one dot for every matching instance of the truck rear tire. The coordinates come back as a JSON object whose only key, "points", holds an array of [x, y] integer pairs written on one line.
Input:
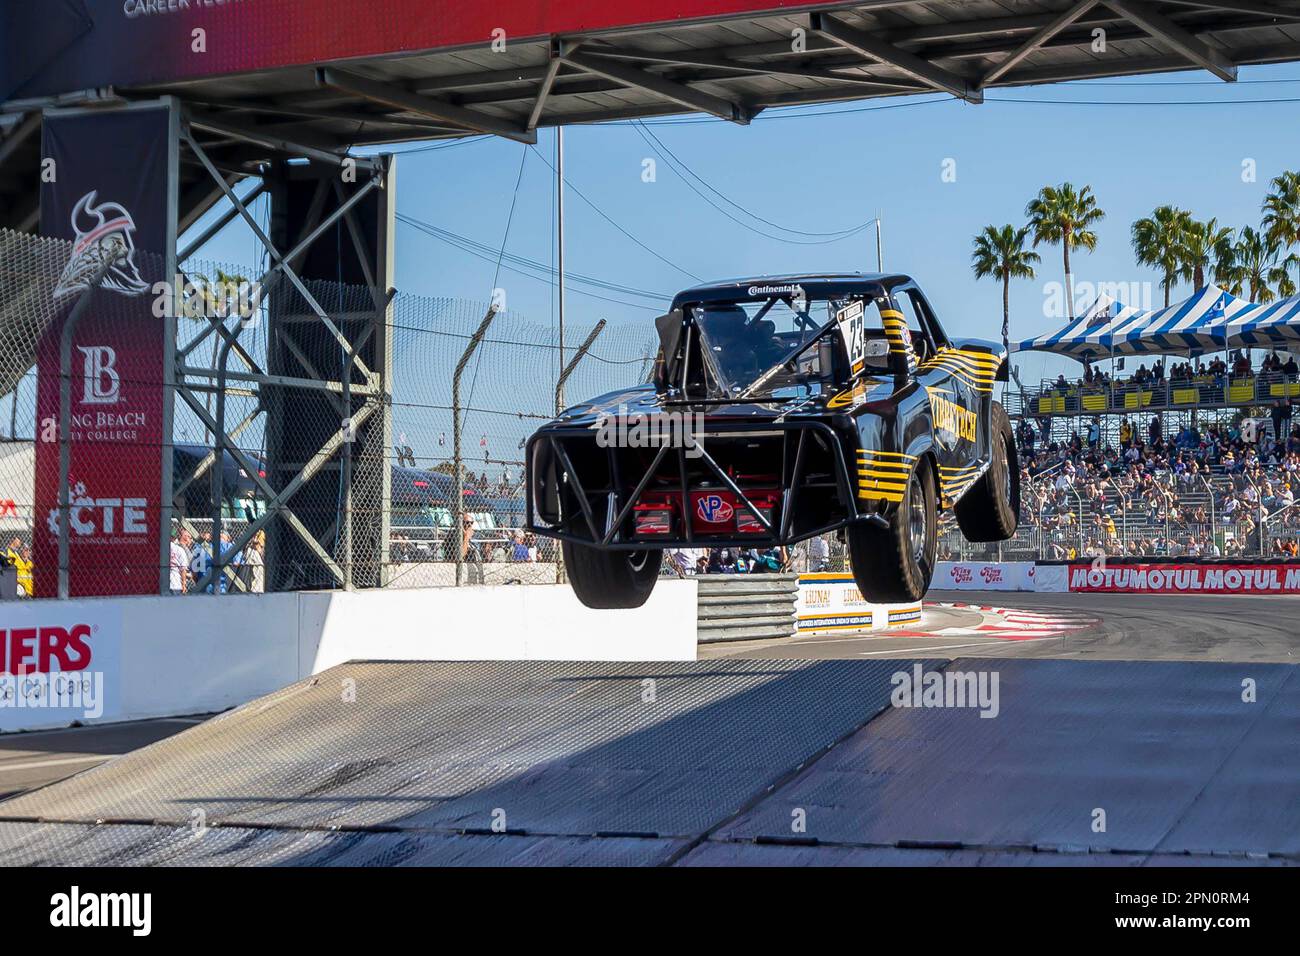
{"points": [[990, 511], [611, 579], [895, 564]]}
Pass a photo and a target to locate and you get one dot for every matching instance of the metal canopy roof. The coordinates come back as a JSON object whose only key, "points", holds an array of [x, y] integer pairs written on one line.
{"points": [[735, 67], [732, 66]]}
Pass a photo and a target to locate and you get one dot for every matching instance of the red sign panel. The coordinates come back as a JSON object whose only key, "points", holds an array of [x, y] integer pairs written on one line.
{"points": [[1186, 578], [131, 42], [111, 212]]}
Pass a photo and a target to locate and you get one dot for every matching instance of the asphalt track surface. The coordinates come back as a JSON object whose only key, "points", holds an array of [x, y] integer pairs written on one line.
{"points": [[1129, 702], [1124, 627], [32, 760], [1110, 627]]}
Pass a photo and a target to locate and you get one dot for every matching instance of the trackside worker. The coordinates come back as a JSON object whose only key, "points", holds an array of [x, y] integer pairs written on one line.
{"points": [[21, 558]]}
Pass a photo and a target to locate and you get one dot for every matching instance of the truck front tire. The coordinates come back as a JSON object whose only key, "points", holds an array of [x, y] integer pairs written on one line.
{"points": [[893, 565], [611, 579]]}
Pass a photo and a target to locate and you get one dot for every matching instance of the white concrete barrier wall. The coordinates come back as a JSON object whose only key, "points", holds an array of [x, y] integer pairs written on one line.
{"points": [[113, 659], [529, 622]]}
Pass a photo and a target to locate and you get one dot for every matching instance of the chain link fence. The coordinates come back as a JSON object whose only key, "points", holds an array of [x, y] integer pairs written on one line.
{"points": [[313, 486], [294, 496], [1215, 514]]}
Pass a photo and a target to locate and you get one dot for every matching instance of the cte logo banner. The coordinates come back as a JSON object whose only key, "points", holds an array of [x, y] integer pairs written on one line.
{"points": [[114, 217]]}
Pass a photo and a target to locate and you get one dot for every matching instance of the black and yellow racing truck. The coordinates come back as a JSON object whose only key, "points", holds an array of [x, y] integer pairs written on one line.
{"points": [[781, 408]]}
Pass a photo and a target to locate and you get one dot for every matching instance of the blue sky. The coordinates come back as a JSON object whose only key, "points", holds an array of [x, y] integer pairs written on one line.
{"points": [[1181, 139]]}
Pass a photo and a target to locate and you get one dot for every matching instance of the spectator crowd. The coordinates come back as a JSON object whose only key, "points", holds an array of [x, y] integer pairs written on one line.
{"points": [[1227, 490], [191, 562]]}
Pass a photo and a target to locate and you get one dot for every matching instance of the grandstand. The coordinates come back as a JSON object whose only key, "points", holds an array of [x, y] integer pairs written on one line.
{"points": [[1193, 454], [1182, 458]]}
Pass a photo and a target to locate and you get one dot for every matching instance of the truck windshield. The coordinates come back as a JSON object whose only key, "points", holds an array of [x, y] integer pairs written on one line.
{"points": [[753, 348]]}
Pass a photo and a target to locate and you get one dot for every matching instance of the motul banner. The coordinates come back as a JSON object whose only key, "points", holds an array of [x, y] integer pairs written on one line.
{"points": [[107, 192], [1186, 578]]}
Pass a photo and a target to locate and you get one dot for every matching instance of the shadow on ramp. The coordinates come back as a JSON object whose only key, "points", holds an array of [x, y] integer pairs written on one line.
{"points": [[705, 763]]}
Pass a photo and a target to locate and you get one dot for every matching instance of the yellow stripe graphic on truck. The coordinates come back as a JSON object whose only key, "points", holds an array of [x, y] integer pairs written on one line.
{"points": [[898, 336], [977, 369], [955, 482], [896, 330], [882, 475]]}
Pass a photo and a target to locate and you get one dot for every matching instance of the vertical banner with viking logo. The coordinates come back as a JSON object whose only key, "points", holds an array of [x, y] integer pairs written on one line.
{"points": [[106, 191]]}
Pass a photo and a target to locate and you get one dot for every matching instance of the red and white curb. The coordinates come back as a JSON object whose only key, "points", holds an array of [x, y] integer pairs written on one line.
{"points": [[1010, 624]]}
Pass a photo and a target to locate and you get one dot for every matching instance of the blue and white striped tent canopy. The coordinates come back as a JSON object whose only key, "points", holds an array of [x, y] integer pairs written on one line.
{"points": [[1199, 323], [1087, 335], [1277, 323]]}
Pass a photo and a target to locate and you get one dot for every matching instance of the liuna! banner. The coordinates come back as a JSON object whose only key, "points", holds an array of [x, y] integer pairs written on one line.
{"points": [[105, 189]]}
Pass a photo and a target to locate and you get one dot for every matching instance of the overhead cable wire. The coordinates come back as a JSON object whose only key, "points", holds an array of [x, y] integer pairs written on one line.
{"points": [[609, 220], [740, 222], [521, 266], [838, 234]]}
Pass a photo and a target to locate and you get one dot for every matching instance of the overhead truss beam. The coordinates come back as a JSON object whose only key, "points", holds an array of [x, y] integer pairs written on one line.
{"points": [[688, 96], [1242, 6], [687, 58], [1045, 33], [406, 101], [544, 89], [1164, 29], [923, 71]]}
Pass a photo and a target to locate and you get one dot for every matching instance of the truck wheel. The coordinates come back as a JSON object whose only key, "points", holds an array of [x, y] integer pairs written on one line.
{"points": [[895, 564], [990, 511], [611, 579]]}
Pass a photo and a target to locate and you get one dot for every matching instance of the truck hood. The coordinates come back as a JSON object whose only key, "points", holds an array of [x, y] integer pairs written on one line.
{"points": [[644, 400]]}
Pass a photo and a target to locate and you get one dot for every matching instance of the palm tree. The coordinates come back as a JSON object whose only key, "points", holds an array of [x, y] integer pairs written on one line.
{"points": [[1001, 253], [1281, 208], [1259, 264], [1158, 241], [1200, 249], [1062, 214], [1227, 270]]}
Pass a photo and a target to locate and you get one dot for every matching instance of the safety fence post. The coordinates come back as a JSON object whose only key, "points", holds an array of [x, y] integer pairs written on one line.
{"points": [[458, 512], [559, 407]]}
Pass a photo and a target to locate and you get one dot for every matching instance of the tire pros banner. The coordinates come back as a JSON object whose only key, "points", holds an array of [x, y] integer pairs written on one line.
{"points": [[1159, 578], [106, 189]]}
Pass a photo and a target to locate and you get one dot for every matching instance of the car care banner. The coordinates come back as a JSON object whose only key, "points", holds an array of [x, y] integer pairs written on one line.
{"points": [[106, 191], [60, 662], [1186, 578], [984, 576]]}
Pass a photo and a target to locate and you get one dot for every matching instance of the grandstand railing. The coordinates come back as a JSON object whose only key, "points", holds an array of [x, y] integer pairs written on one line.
{"points": [[1203, 391]]}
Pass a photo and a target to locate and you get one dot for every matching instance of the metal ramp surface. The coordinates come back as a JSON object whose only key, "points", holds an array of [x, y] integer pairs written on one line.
{"points": [[700, 763]]}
